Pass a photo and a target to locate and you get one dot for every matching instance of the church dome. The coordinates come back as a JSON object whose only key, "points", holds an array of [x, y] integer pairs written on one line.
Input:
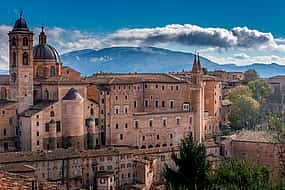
{"points": [[20, 25], [44, 51]]}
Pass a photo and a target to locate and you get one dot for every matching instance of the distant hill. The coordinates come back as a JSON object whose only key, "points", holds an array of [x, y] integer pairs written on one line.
{"points": [[151, 59]]}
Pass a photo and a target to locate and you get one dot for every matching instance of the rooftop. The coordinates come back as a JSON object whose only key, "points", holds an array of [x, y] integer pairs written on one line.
{"points": [[130, 78], [36, 108], [60, 154], [254, 136], [5, 103]]}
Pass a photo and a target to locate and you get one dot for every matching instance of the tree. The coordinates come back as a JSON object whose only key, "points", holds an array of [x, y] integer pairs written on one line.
{"points": [[243, 112], [260, 89], [191, 170], [250, 75], [239, 91], [238, 174], [205, 71]]}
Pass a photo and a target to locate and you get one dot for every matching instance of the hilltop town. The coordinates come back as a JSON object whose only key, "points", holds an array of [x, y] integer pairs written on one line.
{"points": [[59, 130]]}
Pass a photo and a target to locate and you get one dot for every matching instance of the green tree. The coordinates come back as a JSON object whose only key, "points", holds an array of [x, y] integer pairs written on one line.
{"points": [[191, 171], [239, 91], [205, 71], [238, 174], [250, 75], [243, 112], [260, 89]]}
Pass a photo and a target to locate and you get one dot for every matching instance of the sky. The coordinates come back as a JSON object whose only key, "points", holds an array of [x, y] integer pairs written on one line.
{"points": [[225, 31]]}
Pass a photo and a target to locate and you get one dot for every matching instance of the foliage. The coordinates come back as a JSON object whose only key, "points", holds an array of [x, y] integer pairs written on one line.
{"points": [[191, 167], [250, 75], [243, 112], [205, 71], [260, 90], [242, 175], [239, 91]]}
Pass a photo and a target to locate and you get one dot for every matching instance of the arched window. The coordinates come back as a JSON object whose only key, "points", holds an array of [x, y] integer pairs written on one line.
{"points": [[25, 41], [14, 59], [25, 58], [14, 41], [52, 113], [91, 111], [52, 71]]}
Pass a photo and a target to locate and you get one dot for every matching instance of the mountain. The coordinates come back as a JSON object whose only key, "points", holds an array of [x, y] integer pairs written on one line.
{"points": [[149, 60]]}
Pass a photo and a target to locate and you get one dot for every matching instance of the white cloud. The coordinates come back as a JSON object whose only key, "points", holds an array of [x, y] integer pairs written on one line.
{"points": [[244, 59], [212, 42]]}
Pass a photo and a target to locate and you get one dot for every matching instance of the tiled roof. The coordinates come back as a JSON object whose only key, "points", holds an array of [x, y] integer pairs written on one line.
{"points": [[17, 168], [254, 136], [4, 103], [119, 78], [12, 157], [10, 181], [36, 108], [61, 80]]}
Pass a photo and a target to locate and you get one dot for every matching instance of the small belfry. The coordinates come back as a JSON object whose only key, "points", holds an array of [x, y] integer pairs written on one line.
{"points": [[21, 64], [42, 37], [47, 61]]}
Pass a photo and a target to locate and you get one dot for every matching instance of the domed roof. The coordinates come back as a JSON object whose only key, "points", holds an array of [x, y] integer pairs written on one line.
{"points": [[45, 51], [72, 94], [20, 25]]}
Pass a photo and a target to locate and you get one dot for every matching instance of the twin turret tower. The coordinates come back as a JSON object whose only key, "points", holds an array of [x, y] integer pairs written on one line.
{"points": [[197, 99]]}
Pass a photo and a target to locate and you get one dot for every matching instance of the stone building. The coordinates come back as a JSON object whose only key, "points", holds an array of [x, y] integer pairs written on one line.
{"points": [[47, 106], [106, 168], [257, 146]]}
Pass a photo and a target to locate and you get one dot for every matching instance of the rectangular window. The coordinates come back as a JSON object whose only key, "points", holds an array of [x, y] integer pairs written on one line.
{"points": [[177, 121], [58, 126], [126, 109], [186, 107], [121, 136], [164, 122], [163, 104], [117, 110], [135, 104], [156, 104], [47, 127], [171, 104], [150, 123], [136, 124], [146, 103]]}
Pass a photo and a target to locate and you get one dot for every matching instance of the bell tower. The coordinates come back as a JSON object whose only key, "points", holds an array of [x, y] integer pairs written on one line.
{"points": [[21, 65], [197, 100]]}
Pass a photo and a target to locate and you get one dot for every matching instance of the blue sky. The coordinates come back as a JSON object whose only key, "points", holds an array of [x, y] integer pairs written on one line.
{"points": [[226, 31]]}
